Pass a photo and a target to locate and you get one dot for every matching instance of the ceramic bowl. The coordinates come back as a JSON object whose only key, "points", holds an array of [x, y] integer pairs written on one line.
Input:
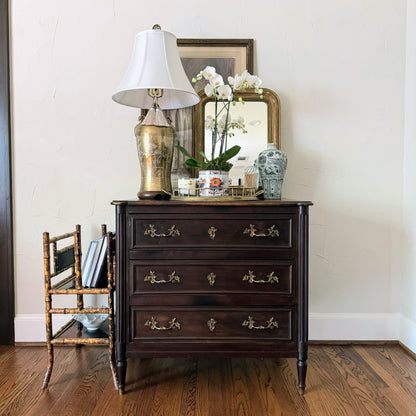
{"points": [[91, 321]]}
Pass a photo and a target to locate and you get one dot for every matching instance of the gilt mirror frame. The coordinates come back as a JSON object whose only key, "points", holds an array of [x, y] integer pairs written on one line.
{"points": [[273, 116]]}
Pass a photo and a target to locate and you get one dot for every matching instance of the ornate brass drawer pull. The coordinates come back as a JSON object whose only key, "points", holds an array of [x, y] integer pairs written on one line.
{"points": [[172, 231], [270, 324], [250, 277], [211, 232], [211, 324], [153, 323], [211, 278], [271, 232], [152, 278]]}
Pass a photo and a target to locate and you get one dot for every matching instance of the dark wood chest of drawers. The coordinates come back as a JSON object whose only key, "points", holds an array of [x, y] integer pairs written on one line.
{"points": [[212, 279]]}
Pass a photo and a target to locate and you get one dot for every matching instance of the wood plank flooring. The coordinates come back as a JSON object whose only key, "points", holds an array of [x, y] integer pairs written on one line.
{"points": [[342, 380]]}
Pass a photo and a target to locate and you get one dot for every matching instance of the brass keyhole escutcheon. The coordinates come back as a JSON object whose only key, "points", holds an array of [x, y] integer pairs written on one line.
{"points": [[211, 324], [211, 278], [211, 232]]}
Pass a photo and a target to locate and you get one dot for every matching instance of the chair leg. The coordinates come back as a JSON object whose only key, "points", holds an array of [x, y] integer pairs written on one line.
{"points": [[111, 349], [50, 366], [113, 366]]}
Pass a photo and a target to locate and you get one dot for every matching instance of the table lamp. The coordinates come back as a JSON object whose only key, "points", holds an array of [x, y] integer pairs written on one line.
{"points": [[155, 80]]}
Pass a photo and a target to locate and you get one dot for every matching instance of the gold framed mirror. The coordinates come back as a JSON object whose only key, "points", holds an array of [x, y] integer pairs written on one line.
{"points": [[262, 120]]}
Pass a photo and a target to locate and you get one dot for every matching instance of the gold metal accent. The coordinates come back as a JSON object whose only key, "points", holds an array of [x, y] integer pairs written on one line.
{"points": [[155, 93], [172, 232], [211, 232], [153, 323], [272, 278], [271, 232], [211, 324], [156, 27], [239, 193], [152, 278], [211, 278], [270, 324]]}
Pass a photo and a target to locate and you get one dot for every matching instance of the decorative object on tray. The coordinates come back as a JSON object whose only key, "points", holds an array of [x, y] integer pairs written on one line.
{"points": [[91, 321], [213, 183], [155, 76], [272, 164], [187, 186], [222, 128], [251, 176]]}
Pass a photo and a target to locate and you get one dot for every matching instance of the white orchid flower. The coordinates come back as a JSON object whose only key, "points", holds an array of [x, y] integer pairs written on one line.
{"points": [[239, 122], [209, 72], [209, 90], [221, 124], [246, 76], [216, 81], [209, 123], [225, 92], [255, 81], [238, 83]]}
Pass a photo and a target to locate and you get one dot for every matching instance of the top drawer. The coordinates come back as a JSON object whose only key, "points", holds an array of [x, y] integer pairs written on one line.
{"points": [[187, 231]]}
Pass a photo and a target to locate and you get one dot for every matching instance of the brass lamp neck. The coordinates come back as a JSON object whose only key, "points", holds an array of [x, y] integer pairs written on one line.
{"points": [[155, 93]]}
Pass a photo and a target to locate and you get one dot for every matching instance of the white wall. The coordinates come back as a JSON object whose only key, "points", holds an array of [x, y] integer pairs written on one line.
{"points": [[408, 284], [338, 67]]}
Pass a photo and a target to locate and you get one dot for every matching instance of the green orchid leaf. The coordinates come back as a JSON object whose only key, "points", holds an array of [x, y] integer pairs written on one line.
{"points": [[203, 155], [192, 163], [184, 151], [231, 152]]}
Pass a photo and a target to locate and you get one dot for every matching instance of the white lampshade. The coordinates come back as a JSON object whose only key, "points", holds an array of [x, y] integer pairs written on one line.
{"points": [[155, 63]]}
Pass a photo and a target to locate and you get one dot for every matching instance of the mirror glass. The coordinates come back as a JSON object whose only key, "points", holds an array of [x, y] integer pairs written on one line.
{"points": [[252, 143]]}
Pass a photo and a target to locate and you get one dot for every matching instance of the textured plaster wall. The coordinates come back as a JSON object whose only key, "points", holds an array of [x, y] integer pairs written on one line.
{"points": [[338, 67]]}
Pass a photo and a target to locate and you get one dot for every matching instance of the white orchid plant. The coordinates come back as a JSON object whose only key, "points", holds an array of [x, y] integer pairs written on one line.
{"points": [[221, 125]]}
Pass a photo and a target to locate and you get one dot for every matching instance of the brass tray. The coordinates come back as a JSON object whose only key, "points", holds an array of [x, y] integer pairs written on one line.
{"points": [[236, 193]]}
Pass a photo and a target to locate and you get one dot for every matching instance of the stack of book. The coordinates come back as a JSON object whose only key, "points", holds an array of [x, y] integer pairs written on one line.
{"points": [[94, 268]]}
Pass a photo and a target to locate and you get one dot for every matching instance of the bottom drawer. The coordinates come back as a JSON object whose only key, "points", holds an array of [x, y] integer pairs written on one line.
{"points": [[213, 324]]}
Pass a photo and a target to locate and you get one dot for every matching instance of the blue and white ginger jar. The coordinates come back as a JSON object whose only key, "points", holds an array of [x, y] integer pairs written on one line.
{"points": [[272, 164]]}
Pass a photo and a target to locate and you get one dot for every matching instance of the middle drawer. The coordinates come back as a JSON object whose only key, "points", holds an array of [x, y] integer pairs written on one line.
{"points": [[272, 277]]}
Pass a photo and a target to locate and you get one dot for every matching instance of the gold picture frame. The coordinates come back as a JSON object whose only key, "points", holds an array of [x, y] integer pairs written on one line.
{"points": [[228, 56]]}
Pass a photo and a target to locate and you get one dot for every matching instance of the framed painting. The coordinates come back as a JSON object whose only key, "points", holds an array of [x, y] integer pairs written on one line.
{"points": [[229, 57]]}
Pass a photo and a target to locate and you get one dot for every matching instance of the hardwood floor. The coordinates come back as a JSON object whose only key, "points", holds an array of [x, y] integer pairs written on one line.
{"points": [[342, 380]]}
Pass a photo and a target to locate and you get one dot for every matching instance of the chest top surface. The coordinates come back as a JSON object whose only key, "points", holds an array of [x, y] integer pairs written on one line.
{"points": [[221, 202]]}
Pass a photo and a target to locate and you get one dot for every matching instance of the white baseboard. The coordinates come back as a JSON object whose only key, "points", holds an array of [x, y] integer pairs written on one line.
{"points": [[354, 326], [322, 327], [32, 328], [408, 333]]}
